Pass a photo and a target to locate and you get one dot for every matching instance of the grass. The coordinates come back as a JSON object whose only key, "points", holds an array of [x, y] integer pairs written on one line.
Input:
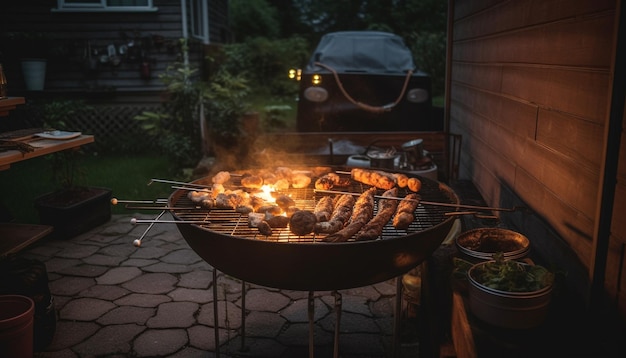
{"points": [[127, 176]]}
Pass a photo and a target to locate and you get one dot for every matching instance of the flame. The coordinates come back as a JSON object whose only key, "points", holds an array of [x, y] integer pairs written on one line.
{"points": [[265, 193]]}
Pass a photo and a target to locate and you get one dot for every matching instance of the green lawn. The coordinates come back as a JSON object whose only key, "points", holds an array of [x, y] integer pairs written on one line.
{"points": [[127, 176]]}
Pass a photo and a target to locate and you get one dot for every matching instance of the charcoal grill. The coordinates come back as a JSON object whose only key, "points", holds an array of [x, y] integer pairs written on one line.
{"points": [[286, 261]]}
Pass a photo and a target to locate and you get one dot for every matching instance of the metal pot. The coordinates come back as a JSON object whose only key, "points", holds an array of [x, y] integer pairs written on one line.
{"points": [[517, 310], [382, 159], [480, 244]]}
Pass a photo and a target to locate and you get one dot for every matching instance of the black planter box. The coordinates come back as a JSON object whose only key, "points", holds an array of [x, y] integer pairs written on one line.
{"points": [[74, 212]]}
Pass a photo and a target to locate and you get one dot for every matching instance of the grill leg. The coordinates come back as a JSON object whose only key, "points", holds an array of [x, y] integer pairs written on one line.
{"points": [[311, 314], [338, 303], [215, 319], [397, 317]]}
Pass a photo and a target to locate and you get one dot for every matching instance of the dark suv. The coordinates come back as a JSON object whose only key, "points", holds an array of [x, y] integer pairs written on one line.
{"points": [[364, 81]]}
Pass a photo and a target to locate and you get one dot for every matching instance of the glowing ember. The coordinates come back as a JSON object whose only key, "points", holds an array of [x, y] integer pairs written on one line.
{"points": [[265, 193]]}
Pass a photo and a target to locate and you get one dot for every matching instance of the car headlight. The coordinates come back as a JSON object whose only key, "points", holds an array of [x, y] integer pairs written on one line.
{"points": [[316, 94], [417, 95]]}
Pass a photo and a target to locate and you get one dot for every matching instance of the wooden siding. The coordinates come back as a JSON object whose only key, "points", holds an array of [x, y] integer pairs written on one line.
{"points": [[529, 91], [157, 33]]}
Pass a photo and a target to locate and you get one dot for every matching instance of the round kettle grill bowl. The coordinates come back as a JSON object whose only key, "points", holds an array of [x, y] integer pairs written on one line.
{"points": [[316, 266]]}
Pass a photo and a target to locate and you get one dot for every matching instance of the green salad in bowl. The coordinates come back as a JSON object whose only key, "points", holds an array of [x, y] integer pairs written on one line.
{"points": [[511, 275]]}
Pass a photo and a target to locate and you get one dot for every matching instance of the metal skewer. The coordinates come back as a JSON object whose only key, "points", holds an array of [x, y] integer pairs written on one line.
{"points": [[135, 221], [178, 182], [425, 202], [137, 242]]}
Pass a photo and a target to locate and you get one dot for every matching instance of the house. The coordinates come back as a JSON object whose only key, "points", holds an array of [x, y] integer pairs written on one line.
{"points": [[536, 89], [107, 52]]}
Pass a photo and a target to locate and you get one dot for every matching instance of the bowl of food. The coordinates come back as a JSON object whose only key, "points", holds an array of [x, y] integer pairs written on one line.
{"points": [[481, 244], [509, 293]]}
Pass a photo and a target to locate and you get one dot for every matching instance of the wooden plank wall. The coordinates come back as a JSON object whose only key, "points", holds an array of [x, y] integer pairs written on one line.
{"points": [[157, 31], [529, 92]]}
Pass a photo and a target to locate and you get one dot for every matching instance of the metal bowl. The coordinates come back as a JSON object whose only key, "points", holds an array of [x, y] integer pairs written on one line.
{"points": [[481, 244], [516, 310]]}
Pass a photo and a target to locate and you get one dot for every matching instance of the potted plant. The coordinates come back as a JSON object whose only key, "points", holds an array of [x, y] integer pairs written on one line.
{"points": [[33, 50], [73, 208]]}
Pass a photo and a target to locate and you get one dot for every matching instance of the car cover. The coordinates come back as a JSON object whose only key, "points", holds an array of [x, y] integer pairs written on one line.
{"points": [[362, 51]]}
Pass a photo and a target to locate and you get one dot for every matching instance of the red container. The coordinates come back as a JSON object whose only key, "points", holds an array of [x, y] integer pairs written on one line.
{"points": [[16, 326]]}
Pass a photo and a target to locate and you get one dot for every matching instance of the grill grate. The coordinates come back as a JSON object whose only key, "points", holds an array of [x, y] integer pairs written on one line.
{"points": [[230, 222]]}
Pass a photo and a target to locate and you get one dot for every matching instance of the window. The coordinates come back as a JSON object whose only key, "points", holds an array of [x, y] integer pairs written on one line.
{"points": [[104, 5], [199, 15]]}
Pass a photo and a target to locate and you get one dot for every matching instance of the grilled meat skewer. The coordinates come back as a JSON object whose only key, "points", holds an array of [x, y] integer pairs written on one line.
{"points": [[361, 214], [324, 208], [341, 215], [386, 209], [405, 213]]}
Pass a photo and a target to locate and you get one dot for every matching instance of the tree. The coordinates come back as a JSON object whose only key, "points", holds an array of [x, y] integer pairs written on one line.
{"points": [[253, 18]]}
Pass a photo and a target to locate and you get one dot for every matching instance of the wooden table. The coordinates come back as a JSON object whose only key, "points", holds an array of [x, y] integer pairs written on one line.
{"points": [[8, 104], [42, 147], [15, 237]]}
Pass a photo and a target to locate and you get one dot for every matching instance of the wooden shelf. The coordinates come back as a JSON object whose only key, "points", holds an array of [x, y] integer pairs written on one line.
{"points": [[42, 147], [9, 104], [15, 237]]}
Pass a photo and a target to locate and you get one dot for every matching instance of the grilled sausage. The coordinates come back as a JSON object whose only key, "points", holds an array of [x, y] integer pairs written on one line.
{"points": [[405, 213], [324, 208], [386, 209], [341, 214], [375, 178], [361, 215]]}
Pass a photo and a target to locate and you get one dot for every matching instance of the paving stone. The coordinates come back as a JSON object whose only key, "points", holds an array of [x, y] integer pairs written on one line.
{"points": [[84, 270], [148, 252], [64, 353], [368, 292], [264, 324], [386, 288], [78, 251], [263, 300], [103, 260], [110, 340], [350, 323], [228, 314], [126, 314], [299, 311], [142, 300], [196, 279], [184, 257], [70, 286], [119, 250], [203, 337], [191, 295], [174, 314], [165, 267], [160, 342], [258, 347], [105, 292], [139, 262], [383, 307], [191, 352], [154, 283], [118, 275], [356, 304], [103, 238], [57, 264], [298, 334], [70, 333], [85, 309]]}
